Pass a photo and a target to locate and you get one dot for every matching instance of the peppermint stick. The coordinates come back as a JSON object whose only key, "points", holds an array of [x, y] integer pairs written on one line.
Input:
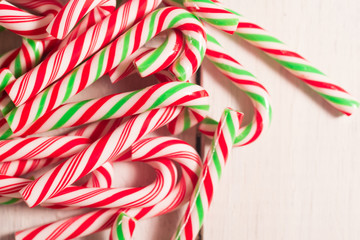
{"points": [[26, 24], [290, 60], [41, 147], [226, 132], [72, 13], [118, 105], [247, 82]]}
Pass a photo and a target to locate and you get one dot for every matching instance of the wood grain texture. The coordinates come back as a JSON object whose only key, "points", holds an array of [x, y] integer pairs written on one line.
{"points": [[301, 179]]}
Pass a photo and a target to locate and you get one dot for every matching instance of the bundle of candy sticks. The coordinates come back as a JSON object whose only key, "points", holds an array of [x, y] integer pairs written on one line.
{"points": [[66, 48]]}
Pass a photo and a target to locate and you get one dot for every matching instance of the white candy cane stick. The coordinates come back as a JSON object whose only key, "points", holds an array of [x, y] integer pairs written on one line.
{"points": [[96, 154]]}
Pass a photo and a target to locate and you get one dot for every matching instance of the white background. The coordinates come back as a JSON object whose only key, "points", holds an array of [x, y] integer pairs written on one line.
{"points": [[301, 180]]}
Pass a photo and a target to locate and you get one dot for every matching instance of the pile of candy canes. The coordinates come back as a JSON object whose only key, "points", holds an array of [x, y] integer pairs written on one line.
{"points": [[67, 48]]}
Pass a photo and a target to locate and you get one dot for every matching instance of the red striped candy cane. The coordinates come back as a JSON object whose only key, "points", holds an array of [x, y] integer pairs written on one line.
{"points": [[226, 132], [23, 23], [10, 186], [210, 12], [65, 59], [291, 61], [41, 147], [95, 155], [114, 106], [151, 59], [72, 13], [247, 82], [22, 167]]}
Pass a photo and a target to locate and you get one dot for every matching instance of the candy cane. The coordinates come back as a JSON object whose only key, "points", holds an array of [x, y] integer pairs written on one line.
{"points": [[11, 185], [23, 23], [293, 62], [247, 82], [65, 59], [227, 130], [166, 176], [72, 13], [95, 155], [123, 227], [22, 167], [102, 177], [149, 60], [210, 12], [41, 147], [42, 7], [85, 224], [115, 106]]}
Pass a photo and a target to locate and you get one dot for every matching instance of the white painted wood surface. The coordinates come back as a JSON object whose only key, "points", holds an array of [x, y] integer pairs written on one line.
{"points": [[301, 179]]}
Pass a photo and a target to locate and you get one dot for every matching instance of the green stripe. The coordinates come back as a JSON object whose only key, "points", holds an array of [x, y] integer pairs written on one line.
{"points": [[32, 44], [42, 103], [200, 107], [70, 85], [153, 57], [244, 134], [186, 119], [232, 69], [340, 101], [2, 28], [217, 163], [120, 233], [168, 93], [258, 98], [69, 114], [200, 209], [152, 24], [100, 63], [230, 124], [10, 106], [212, 39], [181, 71], [17, 71], [10, 119], [258, 37], [222, 22], [6, 134], [179, 17], [125, 46], [196, 44], [5, 80], [11, 201], [118, 105], [299, 67], [210, 121]]}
